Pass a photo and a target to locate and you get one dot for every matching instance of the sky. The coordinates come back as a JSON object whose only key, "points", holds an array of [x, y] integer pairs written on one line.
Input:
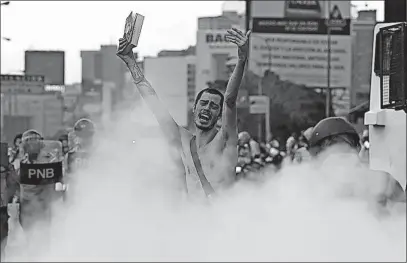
{"points": [[73, 26]]}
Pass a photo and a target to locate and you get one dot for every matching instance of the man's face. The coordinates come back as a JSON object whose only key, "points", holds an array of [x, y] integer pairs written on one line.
{"points": [[18, 142], [64, 143], [65, 146], [207, 111]]}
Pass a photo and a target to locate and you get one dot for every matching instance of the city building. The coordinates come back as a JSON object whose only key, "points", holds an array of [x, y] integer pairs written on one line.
{"points": [[191, 50], [362, 47], [212, 51], [103, 66], [173, 78], [225, 21], [26, 104], [50, 64]]}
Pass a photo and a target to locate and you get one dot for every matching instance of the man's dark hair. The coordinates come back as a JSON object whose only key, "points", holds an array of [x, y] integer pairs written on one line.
{"points": [[211, 91], [18, 136]]}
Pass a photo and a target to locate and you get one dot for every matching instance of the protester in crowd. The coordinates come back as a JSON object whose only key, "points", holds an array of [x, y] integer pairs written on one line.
{"points": [[302, 153], [302, 141], [65, 143], [15, 148], [209, 155], [292, 145], [272, 142], [243, 148], [364, 153]]}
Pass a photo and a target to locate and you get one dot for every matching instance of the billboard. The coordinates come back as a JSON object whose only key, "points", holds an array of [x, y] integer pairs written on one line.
{"points": [[50, 64], [291, 38]]}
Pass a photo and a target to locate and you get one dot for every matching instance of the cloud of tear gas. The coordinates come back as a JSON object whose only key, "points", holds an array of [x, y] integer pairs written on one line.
{"points": [[127, 209]]}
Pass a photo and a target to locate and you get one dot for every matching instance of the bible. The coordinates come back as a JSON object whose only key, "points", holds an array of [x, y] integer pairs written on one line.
{"points": [[132, 29]]}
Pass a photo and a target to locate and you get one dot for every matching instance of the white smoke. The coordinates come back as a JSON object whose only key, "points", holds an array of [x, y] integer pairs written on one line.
{"points": [[127, 207]]}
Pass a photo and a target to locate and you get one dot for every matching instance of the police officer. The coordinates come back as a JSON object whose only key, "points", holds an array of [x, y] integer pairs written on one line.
{"points": [[81, 142], [336, 135], [40, 169], [8, 185], [84, 131]]}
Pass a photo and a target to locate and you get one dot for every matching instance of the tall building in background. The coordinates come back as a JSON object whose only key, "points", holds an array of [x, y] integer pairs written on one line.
{"points": [[224, 21], [91, 69], [362, 47], [212, 50], [173, 79], [26, 104], [99, 68], [50, 64]]}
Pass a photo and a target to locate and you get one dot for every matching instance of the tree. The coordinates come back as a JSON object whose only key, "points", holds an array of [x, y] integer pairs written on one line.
{"points": [[293, 107]]}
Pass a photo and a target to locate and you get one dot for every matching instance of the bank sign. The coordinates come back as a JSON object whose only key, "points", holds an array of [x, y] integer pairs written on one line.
{"points": [[212, 52], [215, 39], [293, 36]]}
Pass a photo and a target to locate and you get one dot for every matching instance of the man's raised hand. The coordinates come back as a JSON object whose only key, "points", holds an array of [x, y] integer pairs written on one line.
{"points": [[237, 37], [124, 51]]}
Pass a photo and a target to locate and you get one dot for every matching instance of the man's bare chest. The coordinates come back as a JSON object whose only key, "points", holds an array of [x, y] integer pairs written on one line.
{"points": [[217, 162]]}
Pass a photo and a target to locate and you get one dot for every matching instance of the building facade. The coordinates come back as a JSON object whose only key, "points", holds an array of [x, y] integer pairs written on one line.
{"points": [[212, 50], [362, 47], [103, 66], [27, 105], [173, 80], [50, 64]]}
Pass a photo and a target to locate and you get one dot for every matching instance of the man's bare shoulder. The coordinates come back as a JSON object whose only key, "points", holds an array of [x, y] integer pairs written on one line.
{"points": [[185, 134]]}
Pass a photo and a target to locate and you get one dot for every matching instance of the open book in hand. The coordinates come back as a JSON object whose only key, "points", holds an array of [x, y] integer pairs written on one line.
{"points": [[132, 29]]}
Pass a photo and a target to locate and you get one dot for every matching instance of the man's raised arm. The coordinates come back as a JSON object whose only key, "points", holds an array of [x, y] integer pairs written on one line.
{"points": [[164, 118], [229, 118]]}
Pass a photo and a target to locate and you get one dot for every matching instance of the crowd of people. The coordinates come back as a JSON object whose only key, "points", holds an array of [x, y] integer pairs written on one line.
{"points": [[38, 172], [71, 150], [273, 153]]}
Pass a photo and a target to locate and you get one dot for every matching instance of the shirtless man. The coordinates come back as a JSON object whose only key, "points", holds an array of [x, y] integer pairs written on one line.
{"points": [[216, 149]]}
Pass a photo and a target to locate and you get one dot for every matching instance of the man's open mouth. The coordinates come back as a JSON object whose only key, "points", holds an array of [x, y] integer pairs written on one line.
{"points": [[204, 117]]}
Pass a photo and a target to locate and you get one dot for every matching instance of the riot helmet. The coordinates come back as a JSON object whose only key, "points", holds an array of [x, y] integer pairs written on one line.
{"points": [[332, 131], [32, 142], [84, 128]]}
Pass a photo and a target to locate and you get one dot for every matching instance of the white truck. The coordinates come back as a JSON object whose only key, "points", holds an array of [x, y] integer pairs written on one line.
{"points": [[386, 117]]}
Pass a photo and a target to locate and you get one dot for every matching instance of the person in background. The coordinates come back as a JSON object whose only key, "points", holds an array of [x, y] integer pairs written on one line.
{"points": [[302, 141], [8, 188], [36, 198], [80, 144], [84, 131], [15, 149], [255, 149], [272, 142], [302, 153], [65, 143], [243, 148], [336, 137], [292, 145], [364, 153]]}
